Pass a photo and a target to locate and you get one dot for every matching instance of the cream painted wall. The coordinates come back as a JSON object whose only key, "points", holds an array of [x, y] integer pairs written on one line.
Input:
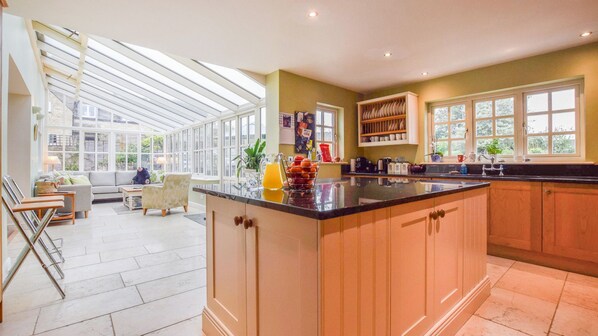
{"points": [[568, 63], [290, 93], [16, 45]]}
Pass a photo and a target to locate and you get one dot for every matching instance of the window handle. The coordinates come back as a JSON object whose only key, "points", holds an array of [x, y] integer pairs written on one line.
{"points": [[524, 129]]}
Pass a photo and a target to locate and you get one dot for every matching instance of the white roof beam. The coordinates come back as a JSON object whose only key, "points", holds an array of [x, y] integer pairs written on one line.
{"points": [[36, 52], [216, 78], [143, 113], [136, 100], [55, 51], [152, 82], [99, 95], [82, 54], [154, 103], [69, 41], [114, 109], [57, 74], [59, 66], [133, 55]]}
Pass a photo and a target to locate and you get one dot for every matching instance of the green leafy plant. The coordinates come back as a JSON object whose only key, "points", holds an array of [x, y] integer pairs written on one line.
{"points": [[493, 148], [251, 157]]}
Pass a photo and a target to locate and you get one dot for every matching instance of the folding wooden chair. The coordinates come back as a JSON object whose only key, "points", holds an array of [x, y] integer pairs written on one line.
{"points": [[50, 208], [32, 220]]}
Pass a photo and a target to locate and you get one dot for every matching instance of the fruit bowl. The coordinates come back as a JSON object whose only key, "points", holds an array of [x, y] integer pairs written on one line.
{"points": [[301, 174]]}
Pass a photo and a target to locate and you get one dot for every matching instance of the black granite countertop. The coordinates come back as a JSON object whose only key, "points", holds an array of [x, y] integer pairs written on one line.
{"points": [[339, 197], [530, 178]]}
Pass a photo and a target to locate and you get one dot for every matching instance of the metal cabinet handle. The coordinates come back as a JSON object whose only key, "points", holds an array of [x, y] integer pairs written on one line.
{"points": [[247, 223], [238, 220], [441, 213], [434, 215]]}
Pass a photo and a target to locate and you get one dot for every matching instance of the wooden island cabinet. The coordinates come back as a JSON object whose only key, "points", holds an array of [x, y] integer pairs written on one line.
{"points": [[408, 269]]}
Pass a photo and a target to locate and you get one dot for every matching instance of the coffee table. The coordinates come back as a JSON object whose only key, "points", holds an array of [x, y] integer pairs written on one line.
{"points": [[132, 197]]}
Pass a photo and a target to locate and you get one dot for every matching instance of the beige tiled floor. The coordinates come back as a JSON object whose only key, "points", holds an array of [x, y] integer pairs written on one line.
{"points": [[528, 299], [124, 275], [135, 275]]}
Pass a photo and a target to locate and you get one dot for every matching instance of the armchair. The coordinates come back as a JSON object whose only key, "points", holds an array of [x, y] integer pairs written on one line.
{"points": [[173, 193]]}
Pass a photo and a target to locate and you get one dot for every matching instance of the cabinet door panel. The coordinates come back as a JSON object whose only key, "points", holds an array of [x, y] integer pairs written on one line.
{"points": [[515, 214], [448, 253], [227, 286], [571, 220], [411, 268], [282, 264]]}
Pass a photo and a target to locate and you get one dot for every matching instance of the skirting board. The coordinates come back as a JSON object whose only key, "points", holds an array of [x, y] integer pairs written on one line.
{"points": [[211, 325], [460, 313]]}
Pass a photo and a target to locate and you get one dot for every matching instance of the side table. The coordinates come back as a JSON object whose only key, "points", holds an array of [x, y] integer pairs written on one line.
{"points": [[63, 216]]}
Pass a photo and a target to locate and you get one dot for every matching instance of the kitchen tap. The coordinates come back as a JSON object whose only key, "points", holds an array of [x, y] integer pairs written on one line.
{"points": [[492, 158]]}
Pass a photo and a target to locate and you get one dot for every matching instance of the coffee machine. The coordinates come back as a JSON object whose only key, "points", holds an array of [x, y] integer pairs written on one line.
{"points": [[363, 165]]}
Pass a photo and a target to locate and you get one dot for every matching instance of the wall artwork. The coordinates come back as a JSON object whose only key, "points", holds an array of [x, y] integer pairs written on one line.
{"points": [[305, 131]]}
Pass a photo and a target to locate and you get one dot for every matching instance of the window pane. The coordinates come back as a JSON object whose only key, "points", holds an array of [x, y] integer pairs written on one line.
{"points": [[145, 161], [458, 112], [327, 134], [103, 142], [318, 133], [483, 128], [132, 143], [89, 162], [120, 145], [251, 129], [442, 147], [327, 119], [563, 122], [56, 166], [458, 130], [505, 126], [158, 144], [537, 145], [226, 133], [89, 143], [563, 144], [457, 147], [537, 102], [537, 124], [132, 162], [507, 145], [318, 117], [146, 144], [504, 107], [71, 161], [121, 163], [102, 162], [214, 134], [563, 100], [441, 114], [72, 142], [483, 109], [441, 131], [481, 144]]}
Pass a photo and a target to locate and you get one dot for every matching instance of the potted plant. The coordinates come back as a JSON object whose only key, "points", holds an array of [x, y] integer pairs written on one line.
{"points": [[493, 148], [249, 162], [435, 155]]}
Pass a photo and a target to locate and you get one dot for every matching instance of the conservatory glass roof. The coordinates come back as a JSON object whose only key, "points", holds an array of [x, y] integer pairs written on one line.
{"points": [[162, 91]]}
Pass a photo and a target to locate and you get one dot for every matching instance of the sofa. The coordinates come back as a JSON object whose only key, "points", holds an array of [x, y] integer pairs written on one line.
{"points": [[104, 186]]}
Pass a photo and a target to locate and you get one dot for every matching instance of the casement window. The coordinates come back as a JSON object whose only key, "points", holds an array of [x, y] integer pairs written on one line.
{"points": [[152, 147], [126, 151], [96, 151], [326, 128], [229, 145], [541, 122]]}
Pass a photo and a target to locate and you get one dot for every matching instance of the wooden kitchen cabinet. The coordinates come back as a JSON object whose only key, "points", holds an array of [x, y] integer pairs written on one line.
{"points": [[260, 260], [515, 214], [570, 226]]}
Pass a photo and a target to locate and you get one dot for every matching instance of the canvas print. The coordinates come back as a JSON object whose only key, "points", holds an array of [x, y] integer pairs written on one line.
{"points": [[305, 131]]}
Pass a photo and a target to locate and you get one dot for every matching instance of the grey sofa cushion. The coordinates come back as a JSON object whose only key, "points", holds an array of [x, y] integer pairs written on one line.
{"points": [[104, 189], [102, 178], [124, 177]]}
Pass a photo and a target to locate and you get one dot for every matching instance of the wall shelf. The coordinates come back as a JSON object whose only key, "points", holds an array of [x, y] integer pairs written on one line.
{"points": [[386, 116]]}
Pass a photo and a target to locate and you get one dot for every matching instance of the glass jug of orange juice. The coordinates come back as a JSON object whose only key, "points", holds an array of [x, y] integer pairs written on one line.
{"points": [[272, 173]]}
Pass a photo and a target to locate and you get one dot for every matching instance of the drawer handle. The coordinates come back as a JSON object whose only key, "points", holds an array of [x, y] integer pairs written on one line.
{"points": [[248, 223], [441, 213], [434, 215], [548, 191], [238, 220]]}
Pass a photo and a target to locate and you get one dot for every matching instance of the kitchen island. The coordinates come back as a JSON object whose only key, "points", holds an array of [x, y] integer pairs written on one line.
{"points": [[356, 256]]}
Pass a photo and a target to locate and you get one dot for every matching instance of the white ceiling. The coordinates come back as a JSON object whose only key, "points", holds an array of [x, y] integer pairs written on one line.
{"points": [[345, 44]]}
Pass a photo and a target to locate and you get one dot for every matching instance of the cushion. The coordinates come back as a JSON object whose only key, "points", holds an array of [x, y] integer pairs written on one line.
{"points": [[104, 189], [124, 177], [64, 179], [102, 179], [80, 179]]}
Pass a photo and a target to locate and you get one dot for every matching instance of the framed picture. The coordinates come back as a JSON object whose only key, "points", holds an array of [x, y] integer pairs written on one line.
{"points": [[305, 131]]}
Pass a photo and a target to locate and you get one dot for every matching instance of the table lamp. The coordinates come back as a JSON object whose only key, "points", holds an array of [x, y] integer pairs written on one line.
{"points": [[161, 160], [52, 160]]}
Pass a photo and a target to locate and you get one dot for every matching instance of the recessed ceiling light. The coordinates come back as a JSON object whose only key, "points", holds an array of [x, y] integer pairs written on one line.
{"points": [[425, 73], [387, 54], [312, 14], [585, 34]]}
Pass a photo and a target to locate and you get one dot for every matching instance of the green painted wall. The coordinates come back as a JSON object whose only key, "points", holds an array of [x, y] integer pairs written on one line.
{"points": [[292, 93], [563, 64]]}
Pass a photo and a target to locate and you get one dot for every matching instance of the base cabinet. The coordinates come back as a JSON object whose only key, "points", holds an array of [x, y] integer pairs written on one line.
{"points": [[571, 221], [411, 269]]}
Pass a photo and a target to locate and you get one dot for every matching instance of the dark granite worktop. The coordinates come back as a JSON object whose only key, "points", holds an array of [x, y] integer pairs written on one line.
{"points": [[475, 177], [339, 197]]}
